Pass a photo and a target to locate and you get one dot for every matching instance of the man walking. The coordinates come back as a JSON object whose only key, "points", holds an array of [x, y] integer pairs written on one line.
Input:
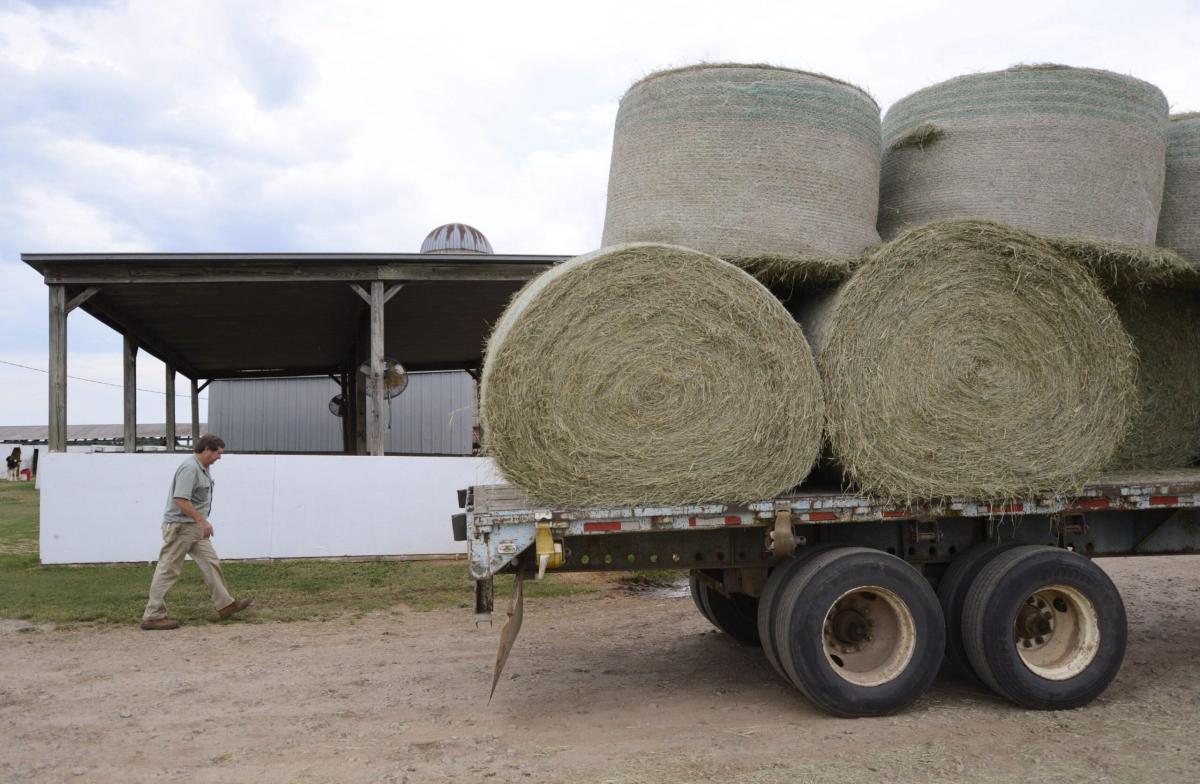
{"points": [[186, 531]]}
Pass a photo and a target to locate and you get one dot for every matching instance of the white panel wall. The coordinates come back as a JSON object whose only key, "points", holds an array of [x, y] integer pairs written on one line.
{"points": [[102, 508]]}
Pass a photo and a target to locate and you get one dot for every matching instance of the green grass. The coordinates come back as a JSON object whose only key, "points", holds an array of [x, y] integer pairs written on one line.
{"points": [[283, 590]]}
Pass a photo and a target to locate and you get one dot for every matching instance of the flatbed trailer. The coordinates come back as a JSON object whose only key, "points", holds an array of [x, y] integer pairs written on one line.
{"points": [[854, 599]]}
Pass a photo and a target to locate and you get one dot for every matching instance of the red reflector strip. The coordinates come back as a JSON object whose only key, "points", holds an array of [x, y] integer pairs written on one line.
{"points": [[1093, 503], [693, 522], [1164, 500], [821, 517], [892, 513], [1006, 508], [614, 525]]}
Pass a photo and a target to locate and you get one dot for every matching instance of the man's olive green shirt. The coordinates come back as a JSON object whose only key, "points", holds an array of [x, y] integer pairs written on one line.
{"points": [[192, 481]]}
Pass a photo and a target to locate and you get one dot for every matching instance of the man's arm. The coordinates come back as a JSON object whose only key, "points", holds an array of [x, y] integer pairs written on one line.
{"points": [[189, 509]]}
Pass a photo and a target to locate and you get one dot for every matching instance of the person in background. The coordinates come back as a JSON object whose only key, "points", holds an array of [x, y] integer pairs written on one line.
{"points": [[13, 463], [186, 531]]}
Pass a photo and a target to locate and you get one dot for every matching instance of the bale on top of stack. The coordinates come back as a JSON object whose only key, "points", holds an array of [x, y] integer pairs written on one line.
{"points": [[1179, 222], [1049, 149], [772, 169], [649, 374]]}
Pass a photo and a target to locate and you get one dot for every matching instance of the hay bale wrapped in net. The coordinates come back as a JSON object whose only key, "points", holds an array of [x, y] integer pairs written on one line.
{"points": [[1164, 324], [649, 374], [967, 358], [1179, 223], [769, 168], [1050, 149]]}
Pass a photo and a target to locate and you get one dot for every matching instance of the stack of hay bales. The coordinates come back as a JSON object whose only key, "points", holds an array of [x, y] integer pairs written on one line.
{"points": [[972, 355], [649, 373], [1080, 157], [772, 169]]}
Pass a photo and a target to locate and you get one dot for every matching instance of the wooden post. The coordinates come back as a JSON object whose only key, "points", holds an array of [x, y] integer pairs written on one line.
{"points": [[170, 409], [58, 369], [130, 365], [347, 412], [195, 413], [376, 423]]}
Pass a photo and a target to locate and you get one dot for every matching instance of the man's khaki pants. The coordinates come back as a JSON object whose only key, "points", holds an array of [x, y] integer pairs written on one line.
{"points": [[180, 540]]}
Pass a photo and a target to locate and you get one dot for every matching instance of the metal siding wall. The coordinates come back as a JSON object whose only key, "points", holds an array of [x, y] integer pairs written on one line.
{"points": [[275, 415], [433, 416]]}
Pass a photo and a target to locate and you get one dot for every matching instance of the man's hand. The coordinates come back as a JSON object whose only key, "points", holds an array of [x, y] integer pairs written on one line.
{"points": [[207, 528]]}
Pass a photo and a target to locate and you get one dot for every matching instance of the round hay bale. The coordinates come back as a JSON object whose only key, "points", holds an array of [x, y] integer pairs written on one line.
{"points": [[746, 162], [1050, 149], [967, 358], [1165, 327], [649, 374], [1179, 224]]}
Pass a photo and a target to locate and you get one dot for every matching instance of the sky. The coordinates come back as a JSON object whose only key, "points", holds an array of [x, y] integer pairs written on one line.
{"points": [[300, 126]]}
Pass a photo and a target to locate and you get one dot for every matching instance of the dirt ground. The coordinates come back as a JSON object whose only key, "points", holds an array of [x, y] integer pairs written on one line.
{"points": [[620, 686]]}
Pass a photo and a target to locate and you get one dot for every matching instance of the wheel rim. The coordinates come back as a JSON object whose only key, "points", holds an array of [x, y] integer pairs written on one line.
{"points": [[869, 636], [1057, 632]]}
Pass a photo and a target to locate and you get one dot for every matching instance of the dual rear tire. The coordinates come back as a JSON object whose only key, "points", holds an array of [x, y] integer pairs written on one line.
{"points": [[861, 633], [857, 631], [1044, 627]]}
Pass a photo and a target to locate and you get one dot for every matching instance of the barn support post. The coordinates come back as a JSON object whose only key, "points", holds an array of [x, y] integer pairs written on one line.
{"points": [[58, 369], [195, 412], [130, 379], [347, 411], [376, 420], [170, 435]]}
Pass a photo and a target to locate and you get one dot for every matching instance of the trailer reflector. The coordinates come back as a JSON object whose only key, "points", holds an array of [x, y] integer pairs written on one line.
{"points": [[613, 525], [1093, 503], [1164, 500]]}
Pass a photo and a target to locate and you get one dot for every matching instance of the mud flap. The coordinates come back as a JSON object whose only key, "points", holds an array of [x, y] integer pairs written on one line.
{"points": [[512, 626]]}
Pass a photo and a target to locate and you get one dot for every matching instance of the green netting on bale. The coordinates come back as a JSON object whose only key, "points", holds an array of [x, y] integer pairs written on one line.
{"points": [[1179, 224], [1050, 149], [746, 161]]}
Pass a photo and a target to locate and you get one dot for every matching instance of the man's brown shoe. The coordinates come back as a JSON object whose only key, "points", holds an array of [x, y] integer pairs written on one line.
{"points": [[231, 609], [159, 624]]}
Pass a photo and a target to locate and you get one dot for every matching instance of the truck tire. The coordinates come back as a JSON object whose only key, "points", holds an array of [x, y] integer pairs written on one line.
{"points": [[767, 603], [735, 615], [952, 593], [695, 587], [1045, 627], [859, 632]]}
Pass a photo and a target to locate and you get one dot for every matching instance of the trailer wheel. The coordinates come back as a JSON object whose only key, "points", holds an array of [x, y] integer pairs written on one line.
{"points": [[736, 615], [952, 593], [1045, 628], [769, 600], [695, 587], [859, 632]]}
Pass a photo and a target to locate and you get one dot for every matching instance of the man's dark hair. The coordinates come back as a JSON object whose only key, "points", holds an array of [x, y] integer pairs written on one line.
{"points": [[209, 441]]}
